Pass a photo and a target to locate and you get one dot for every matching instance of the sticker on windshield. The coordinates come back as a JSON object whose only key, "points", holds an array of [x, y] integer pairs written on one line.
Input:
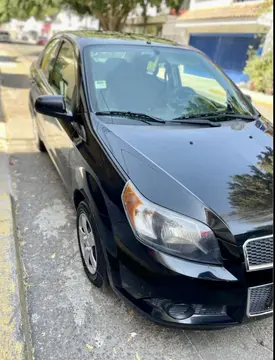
{"points": [[100, 84], [152, 65]]}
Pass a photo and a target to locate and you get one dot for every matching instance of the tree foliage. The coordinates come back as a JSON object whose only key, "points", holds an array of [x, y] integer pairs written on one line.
{"points": [[176, 4], [24, 9], [266, 6], [260, 71], [260, 68], [251, 193], [112, 14]]}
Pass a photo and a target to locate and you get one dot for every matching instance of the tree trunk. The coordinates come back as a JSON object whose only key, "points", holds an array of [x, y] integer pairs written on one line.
{"points": [[144, 5], [112, 20], [102, 21]]}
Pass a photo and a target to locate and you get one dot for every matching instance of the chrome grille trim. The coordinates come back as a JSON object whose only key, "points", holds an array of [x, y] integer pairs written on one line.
{"points": [[248, 253], [251, 299]]}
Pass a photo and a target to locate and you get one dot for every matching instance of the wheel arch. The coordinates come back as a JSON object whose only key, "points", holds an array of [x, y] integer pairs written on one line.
{"points": [[87, 188], [78, 197]]}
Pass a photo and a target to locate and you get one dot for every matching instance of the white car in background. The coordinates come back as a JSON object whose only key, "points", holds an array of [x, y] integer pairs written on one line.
{"points": [[5, 36]]}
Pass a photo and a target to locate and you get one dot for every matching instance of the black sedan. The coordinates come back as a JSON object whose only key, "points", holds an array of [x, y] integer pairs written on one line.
{"points": [[169, 167]]}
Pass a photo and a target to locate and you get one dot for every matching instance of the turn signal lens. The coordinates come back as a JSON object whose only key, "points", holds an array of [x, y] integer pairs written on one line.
{"points": [[131, 201]]}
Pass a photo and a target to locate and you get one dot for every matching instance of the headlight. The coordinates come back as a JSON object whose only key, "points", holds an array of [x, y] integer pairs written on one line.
{"points": [[168, 231]]}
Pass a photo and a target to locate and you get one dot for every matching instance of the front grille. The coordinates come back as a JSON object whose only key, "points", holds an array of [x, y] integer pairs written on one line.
{"points": [[258, 253], [260, 300]]}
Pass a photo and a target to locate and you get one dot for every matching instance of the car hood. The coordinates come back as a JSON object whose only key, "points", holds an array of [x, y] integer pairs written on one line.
{"points": [[222, 176]]}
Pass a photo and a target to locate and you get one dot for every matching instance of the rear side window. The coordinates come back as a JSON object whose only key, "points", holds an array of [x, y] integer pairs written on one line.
{"points": [[49, 58], [63, 78]]}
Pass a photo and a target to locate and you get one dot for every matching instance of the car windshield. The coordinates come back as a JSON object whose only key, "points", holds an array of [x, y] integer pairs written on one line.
{"points": [[164, 82]]}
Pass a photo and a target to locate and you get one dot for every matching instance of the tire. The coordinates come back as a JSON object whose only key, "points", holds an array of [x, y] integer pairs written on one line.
{"points": [[40, 145], [38, 142], [93, 257]]}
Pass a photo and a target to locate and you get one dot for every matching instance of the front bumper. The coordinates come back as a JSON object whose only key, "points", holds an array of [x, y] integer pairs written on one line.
{"points": [[209, 302]]}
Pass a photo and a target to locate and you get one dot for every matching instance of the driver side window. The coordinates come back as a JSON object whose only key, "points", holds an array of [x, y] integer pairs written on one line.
{"points": [[49, 57], [63, 80]]}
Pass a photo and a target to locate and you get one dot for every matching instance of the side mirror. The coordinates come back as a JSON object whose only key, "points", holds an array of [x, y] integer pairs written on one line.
{"points": [[53, 105]]}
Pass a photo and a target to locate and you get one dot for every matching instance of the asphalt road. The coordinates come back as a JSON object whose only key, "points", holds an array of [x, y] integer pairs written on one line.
{"points": [[70, 318]]}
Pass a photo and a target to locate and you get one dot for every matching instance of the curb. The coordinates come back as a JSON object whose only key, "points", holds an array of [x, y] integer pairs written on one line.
{"points": [[268, 102], [15, 335], [26, 330]]}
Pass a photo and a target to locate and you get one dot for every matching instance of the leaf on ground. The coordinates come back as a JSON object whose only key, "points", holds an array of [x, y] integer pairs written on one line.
{"points": [[137, 356], [132, 335], [53, 255], [89, 347]]}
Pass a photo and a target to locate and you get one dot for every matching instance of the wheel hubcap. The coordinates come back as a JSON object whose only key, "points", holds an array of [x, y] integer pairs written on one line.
{"points": [[87, 243]]}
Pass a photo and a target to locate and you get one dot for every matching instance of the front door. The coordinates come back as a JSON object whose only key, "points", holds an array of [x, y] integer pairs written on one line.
{"points": [[60, 132]]}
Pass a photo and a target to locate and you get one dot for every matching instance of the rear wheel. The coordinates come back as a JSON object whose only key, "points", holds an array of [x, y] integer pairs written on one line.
{"points": [[90, 246]]}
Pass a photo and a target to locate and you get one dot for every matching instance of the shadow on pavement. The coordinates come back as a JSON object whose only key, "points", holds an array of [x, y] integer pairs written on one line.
{"points": [[7, 59], [17, 81], [36, 53], [2, 114], [17, 42]]}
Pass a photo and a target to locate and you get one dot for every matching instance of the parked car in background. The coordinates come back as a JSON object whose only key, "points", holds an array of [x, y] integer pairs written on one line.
{"points": [[169, 167], [5, 36], [42, 40], [30, 37]]}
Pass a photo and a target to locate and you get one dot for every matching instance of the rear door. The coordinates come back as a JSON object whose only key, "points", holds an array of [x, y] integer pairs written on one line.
{"points": [[63, 80]]}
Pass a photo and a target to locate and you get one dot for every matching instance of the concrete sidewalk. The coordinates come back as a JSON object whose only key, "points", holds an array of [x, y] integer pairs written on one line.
{"points": [[262, 102], [15, 343]]}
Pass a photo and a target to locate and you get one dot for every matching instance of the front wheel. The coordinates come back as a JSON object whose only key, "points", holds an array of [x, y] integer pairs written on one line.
{"points": [[90, 246]]}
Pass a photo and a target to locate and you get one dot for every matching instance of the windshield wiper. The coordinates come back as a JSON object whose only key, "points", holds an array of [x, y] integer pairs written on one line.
{"points": [[138, 116], [196, 122], [218, 115], [144, 117]]}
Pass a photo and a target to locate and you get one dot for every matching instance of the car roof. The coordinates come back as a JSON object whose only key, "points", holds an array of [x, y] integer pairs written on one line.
{"points": [[91, 37]]}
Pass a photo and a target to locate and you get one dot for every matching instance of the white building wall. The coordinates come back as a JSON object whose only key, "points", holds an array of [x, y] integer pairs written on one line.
{"points": [[151, 10], [67, 20]]}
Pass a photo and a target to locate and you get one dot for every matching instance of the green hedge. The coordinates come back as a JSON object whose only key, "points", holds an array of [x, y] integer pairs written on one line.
{"points": [[260, 71]]}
